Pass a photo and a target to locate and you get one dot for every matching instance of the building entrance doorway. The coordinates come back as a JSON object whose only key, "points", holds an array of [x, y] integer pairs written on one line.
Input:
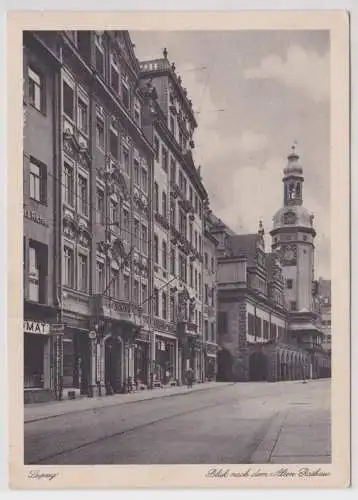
{"points": [[113, 365]]}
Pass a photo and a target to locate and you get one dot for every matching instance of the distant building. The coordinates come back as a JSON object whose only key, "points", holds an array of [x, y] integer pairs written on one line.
{"points": [[293, 237], [268, 324]]}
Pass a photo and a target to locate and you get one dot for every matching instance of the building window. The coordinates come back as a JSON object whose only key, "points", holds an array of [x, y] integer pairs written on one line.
{"points": [[82, 116], [99, 56], [172, 309], [222, 322], [196, 281], [113, 142], [172, 261], [144, 239], [206, 260], [83, 272], [191, 276], [200, 291], [144, 180], [266, 329], [136, 233], [126, 286], [136, 292], [173, 168], [125, 228], [115, 283], [99, 206], [199, 324], [69, 267], [137, 114], [182, 223], [156, 249], [191, 232], [289, 283], [68, 100], [200, 244], [206, 294], [100, 277], [156, 301], [182, 268], [34, 274], [136, 172], [164, 159], [68, 184], [293, 306], [126, 95], [83, 194], [156, 148], [164, 204], [114, 76], [206, 330], [164, 255], [125, 157], [172, 124], [144, 302], [164, 305], [156, 198], [100, 133], [36, 90], [212, 332], [212, 265], [113, 212], [250, 324], [38, 181]]}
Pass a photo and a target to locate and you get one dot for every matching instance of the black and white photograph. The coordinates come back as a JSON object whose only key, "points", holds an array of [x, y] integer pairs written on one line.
{"points": [[177, 292]]}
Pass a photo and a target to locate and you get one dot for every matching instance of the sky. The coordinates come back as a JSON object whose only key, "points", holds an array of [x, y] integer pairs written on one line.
{"points": [[255, 93]]}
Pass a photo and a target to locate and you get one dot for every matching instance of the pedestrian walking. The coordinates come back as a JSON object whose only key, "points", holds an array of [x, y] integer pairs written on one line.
{"points": [[189, 378]]}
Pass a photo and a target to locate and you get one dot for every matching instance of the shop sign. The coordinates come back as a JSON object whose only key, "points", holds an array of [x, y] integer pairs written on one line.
{"points": [[36, 327], [35, 217]]}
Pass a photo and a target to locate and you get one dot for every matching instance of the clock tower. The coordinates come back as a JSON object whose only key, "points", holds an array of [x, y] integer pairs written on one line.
{"points": [[293, 237]]}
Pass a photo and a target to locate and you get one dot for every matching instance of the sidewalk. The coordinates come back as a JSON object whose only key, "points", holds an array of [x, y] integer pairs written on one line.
{"points": [[299, 435], [42, 411]]}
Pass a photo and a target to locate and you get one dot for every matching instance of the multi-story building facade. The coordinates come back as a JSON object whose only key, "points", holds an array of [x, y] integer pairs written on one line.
{"points": [[268, 320], [178, 198], [41, 349], [210, 299], [101, 172]]}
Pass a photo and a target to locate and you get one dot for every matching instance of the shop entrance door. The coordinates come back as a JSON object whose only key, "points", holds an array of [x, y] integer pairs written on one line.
{"points": [[113, 365]]}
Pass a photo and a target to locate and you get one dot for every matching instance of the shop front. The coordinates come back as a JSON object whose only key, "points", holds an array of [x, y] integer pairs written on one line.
{"points": [[76, 360], [40, 356], [141, 362], [210, 366], [165, 360]]}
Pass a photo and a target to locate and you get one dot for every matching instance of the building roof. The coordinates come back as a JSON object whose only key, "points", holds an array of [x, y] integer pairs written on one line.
{"points": [[294, 216], [245, 245]]}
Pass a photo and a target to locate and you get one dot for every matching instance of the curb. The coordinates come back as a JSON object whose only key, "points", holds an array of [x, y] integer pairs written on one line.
{"points": [[263, 452], [61, 414]]}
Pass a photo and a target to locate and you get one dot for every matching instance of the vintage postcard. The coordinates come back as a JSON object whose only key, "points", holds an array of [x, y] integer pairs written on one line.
{"points": [[179, 239]]}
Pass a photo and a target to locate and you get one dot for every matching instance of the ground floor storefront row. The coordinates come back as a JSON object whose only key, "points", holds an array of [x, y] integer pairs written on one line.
{"points": [[119, 359]]}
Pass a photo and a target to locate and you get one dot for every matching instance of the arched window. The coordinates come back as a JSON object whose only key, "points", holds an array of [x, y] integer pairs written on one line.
{"points": [[298, 190]]}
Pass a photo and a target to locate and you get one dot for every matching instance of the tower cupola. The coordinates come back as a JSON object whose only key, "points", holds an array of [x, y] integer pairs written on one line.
{"points": [[293, 179]]}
